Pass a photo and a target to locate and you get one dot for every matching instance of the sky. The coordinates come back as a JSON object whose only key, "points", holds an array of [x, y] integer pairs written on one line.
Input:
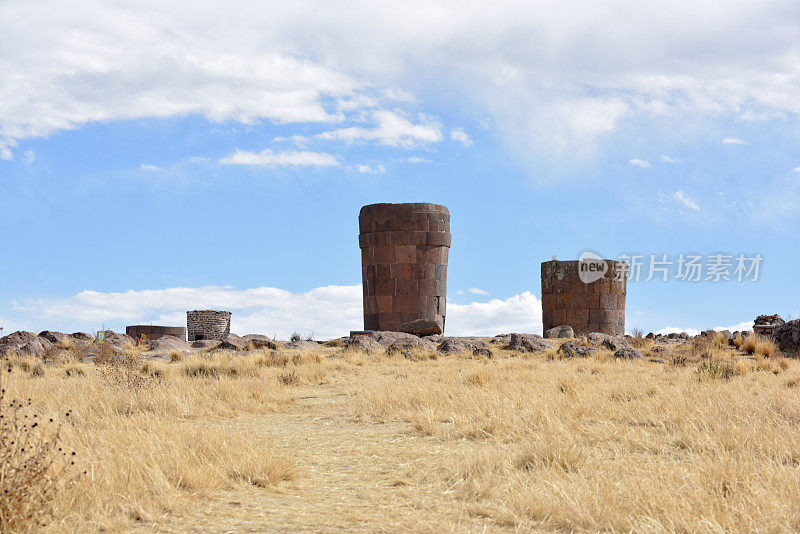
{"points": [[158, 157]]}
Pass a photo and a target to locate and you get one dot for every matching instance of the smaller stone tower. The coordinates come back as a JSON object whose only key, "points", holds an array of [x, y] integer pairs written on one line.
{"points": [[208, 324]]}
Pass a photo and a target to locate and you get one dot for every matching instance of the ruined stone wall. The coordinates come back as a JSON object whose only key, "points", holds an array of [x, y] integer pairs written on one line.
{"points": [[595, 307], [155, 332], [208, 324], [404, 250]]}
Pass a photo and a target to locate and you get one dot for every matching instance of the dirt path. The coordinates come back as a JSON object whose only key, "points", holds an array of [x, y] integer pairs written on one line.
{"points": [[352, 476]]}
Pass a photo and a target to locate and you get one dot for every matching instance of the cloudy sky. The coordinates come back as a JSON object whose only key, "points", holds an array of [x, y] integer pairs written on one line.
{"points": [[163, 156]]}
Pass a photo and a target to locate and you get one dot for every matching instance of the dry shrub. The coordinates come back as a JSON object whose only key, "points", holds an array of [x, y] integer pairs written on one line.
{"points": [[175, 356], [738, 341], [760, 346], [717, 368], [33, 465], [289, 378]]}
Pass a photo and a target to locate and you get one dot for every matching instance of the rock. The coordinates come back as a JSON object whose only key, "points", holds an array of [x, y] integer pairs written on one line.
{"points": [[607, 341], [454, 345], [81, 336], [421, 327], [435, 338], [53, 337], [232, 342], [501, 339], [166, 344], [559, 332], [20, 337], [726, 333], [628, 354], [34, 348], [787, 337], [656, 360], [386, 338], [258, 341], [661, 350], [769, 319], [412, 344], [24, 343], [573, 349], [364, 344], [650, 336], [528, 343]]}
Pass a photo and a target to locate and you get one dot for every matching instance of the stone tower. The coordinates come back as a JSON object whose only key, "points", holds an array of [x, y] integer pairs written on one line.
{"points": [[404, 249], [208, 324], [598, 306]]}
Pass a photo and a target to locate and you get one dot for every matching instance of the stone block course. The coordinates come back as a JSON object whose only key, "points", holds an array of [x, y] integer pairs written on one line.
{"points": [[208, 324]]}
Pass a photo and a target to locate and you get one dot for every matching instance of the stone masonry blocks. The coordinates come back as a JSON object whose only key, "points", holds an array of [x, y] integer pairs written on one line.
{"points": [[595, 307], [208, 324], [404, 253]]}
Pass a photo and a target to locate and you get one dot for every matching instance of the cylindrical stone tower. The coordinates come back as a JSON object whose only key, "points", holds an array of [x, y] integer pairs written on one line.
{"points": [[208, 324], [404, 249], [598, 306]]}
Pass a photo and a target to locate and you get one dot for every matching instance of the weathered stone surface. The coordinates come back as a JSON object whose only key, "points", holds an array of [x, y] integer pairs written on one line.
{"points": [[561, 331], [18, 338], [24, 343], [573, 349], [607, 341], [386, 338], [208, 324], [422, 327], [81, 336], [598, 306], [528, 343], [629, 354], [205, 344], [364, 344], [404, 252], [259, 341], [501, 339], [769, 319], [787, 337], [453, 345], [53, 337], [661, 350], [412, 343], [301, 345]]}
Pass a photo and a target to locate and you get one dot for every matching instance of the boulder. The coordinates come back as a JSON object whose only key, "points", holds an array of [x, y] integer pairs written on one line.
{"points": [[528, 343], [661, 350], [628, 354], [559, 332], [607, 341], [81, 336], [232, 342], [787, 337], [20, 337], [25, 343], [301, 345], [386, 338], [364, 344], [573, 349], [53, 337], [501, 339], [209, 344], [166, 344], [454, 345], [421, 327], [258, 341], [412, 343]]}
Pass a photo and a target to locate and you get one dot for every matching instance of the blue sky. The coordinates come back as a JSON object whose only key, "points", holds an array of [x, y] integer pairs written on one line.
{"points": [[154, 160]]}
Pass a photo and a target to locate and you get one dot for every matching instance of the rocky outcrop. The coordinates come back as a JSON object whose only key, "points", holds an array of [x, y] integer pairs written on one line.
{"points": [[455, 345], [167, 344], [364, 344], [528, 343], [412, 343], [561, 331], [769, 319], [628, 354], [259, 341], [573, 349], [386, 338], [787, 337]]}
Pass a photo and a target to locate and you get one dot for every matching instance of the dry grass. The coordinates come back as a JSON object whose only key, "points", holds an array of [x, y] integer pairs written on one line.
{"points": [[445, 443], [760, 346]]}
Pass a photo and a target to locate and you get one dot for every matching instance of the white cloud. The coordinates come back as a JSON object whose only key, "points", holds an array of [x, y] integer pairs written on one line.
{"points": [[744, 326], [796, 169], [678, 199], [520, 313], [588, 65], [29, 156], [328, 311], [667, 159], [643, 163], [416, 159], [460, 292], [476, 291], [734, 141], [460, 136], [286, 159], [391, 129], [148, 167], [366, 168]]}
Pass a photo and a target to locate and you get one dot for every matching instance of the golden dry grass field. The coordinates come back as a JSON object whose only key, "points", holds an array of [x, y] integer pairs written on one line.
{"points": [[331, 440]]}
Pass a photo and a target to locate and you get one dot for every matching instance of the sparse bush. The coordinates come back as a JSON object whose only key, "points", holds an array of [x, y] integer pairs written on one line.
{"points": [[638, 340], [33, 465], [295, 336], [289, 378], [175, 356]]}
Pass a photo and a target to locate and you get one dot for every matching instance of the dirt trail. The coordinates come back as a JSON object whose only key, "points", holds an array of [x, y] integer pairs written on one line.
{"points": [[351, 476]]}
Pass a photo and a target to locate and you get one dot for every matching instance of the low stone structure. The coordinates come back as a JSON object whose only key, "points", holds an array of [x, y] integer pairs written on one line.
{"points": [[208, 324], [597, 306], [152, 332]]}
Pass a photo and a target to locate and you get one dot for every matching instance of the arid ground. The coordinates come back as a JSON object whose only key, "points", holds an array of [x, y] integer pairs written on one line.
{"points": [[336, 440]]}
